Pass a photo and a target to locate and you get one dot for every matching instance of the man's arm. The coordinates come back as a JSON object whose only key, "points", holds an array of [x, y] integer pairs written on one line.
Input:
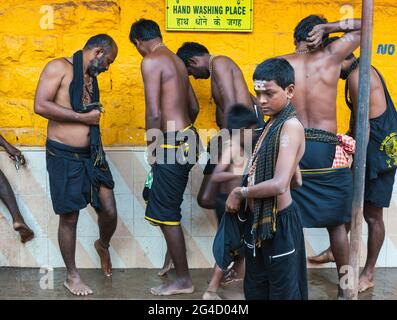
{"points": [[345, 45], [7, 146], [223, 77], [353, 93], [3, 142], [11, 150], [151, 74], [193, 104], [219, 116], [44, 105]]}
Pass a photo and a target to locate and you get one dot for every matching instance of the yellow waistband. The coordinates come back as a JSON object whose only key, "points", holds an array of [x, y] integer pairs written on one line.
{"points": [[321, 171], [170, 146]]}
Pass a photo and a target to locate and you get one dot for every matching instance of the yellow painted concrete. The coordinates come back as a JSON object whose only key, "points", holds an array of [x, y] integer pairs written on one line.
{"points": [[25, 48]]}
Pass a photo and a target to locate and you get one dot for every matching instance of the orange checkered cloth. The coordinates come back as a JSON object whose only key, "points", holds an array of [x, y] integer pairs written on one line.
{"points": [[344, 151]]}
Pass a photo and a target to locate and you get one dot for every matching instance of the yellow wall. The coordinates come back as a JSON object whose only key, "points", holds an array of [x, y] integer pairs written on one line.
{"points": [[25, 48]]}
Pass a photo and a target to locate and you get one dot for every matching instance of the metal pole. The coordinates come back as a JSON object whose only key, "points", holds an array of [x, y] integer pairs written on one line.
{"points": [[362, 123]]}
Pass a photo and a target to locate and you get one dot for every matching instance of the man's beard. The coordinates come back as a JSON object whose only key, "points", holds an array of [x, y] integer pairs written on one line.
{"points": [[96, 67]]}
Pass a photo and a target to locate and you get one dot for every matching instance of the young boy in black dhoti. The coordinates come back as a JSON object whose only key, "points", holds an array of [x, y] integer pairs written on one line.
{"points": [[275, 250]]}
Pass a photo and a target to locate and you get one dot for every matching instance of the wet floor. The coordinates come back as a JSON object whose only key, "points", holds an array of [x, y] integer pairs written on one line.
{"points": [[26, 283]]}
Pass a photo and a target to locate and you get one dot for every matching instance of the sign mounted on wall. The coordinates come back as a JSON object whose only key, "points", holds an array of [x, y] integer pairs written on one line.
{"points": [[209, 15]]}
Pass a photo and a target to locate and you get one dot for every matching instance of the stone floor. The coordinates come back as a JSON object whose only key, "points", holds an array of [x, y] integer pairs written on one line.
{"points": [[26, 283]]}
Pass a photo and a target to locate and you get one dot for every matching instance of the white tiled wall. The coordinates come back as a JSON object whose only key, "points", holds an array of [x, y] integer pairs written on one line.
{"points": [[136, 243]]}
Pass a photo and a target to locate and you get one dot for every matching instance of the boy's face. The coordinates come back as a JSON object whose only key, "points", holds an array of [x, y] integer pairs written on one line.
{"points": [[271, 97]]}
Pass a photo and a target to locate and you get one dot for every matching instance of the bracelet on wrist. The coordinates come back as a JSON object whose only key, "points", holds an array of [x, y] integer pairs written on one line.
{"points": [[244, 192]]}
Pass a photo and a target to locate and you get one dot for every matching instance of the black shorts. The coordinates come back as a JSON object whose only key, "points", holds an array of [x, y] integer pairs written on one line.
{"points": [[170, 177], [70, 185], [278, 271], [378, 191]]}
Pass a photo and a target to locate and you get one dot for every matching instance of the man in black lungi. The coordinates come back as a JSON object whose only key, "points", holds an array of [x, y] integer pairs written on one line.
{"points": [[325, 198], [68, 96], [381, 161]]}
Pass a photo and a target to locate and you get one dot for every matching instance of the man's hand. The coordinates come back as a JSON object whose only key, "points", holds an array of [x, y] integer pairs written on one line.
{"points": [[91, 118], [233, 202], [15, 155], [342, 47], [13, 152], [315, 38]]}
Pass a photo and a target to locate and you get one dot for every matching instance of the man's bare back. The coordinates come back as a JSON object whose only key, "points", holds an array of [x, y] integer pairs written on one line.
{"points": [[228, 86], [377, 103], [225, 67], [174, 85], [233, 91], [316, 79], [317, 72]]}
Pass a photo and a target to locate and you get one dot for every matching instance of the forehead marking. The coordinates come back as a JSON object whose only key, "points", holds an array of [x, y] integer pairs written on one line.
{"points": [[260, 84]]}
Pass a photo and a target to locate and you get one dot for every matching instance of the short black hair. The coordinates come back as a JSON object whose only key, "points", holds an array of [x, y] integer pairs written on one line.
{"points": [[102, 40], [306, 25], [332, 39], [144, 30], [278, 70], [189, 50], [240, 116]]}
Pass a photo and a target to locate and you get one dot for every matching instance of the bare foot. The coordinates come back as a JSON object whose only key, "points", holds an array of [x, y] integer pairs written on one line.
{"points": [[210, 295], [104, 255], [171, 289], [77, 287], [25, 232], [324, 257], [365, 283], [168, 264]]}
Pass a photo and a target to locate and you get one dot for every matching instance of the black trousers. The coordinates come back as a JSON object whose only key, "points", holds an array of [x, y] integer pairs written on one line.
{"points": [[278, 269]]}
